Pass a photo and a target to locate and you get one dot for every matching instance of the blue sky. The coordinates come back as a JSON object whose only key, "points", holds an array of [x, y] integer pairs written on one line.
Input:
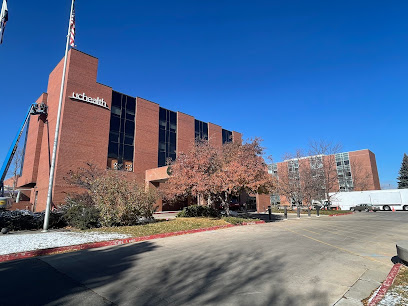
{"points": [[286, 71]]}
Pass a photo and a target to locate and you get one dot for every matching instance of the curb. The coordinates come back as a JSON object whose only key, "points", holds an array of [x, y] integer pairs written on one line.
{"points": [[386, 285], [92, 245], [335, 215]]}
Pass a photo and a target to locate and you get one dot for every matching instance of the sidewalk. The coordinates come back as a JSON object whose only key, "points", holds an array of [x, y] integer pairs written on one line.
{"points": [[25, 245]]}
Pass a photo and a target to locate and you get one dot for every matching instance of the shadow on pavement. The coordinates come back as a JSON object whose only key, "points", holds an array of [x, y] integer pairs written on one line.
{"points": [[35, 282], [265, 217], [145, 274]]}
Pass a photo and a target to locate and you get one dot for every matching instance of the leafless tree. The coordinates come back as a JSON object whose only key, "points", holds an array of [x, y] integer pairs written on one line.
{"points": [[327, 178], [319, 176], [290, 179], [362, 178]]}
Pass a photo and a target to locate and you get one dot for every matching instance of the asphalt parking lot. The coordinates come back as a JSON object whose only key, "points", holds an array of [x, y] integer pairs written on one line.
{"points": [[316, 261]]}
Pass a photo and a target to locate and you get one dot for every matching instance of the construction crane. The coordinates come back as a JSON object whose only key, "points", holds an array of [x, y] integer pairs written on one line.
{"points": [[35, 109]]}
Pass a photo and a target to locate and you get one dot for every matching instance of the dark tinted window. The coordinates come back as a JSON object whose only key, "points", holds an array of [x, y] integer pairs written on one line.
{"points": [[122, 131], [201, 130], [167, 136], [226, 136]]}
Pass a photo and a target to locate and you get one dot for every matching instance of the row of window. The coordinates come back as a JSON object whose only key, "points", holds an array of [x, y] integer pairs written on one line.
{"points": [[273, 169], [122, 132], [167, 136], [343, 168]]}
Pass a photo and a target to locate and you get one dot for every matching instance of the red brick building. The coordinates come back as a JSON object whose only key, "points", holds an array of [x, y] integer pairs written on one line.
{"points": [[351, 171], [106, 128]]}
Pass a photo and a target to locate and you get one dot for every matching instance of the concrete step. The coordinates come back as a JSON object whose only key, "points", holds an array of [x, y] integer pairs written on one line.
{"points": [[402, 250]]}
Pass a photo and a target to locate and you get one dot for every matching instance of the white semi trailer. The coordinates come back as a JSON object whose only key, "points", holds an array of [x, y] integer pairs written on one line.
{"points": [[385, 199]]}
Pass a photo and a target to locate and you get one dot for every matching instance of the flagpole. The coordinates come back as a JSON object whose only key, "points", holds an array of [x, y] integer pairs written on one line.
{"points": [[57, 127]]}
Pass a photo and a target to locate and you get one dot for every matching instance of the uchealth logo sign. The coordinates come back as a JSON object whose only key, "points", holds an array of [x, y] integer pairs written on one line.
{"points": [[83, 97]]}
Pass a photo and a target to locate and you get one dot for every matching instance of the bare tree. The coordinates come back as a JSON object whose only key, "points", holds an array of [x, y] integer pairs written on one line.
{"points": [[362, 178], [303, 180], [290, 179], [327, 178], [321, 174]]}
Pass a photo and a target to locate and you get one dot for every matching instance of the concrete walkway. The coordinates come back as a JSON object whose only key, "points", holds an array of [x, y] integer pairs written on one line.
{"points": [[317, 261]]}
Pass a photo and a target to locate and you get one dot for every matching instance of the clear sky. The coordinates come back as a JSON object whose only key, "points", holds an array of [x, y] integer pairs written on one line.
{"points": [[286, 71]]}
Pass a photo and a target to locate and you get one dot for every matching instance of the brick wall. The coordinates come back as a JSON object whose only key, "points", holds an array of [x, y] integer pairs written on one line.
{"points": [[215, 134], [185, 132], [146, 136], [236, 137], [84, 131], [33, 147], [364, 170], [84, 128]]}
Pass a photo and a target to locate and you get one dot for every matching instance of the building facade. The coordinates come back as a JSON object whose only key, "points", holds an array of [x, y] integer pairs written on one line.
{"points": [[106, 128], [347, 171]]}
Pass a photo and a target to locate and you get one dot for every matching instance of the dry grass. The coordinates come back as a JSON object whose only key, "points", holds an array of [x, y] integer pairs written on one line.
{"points": [[162, 226], [402, 277]]}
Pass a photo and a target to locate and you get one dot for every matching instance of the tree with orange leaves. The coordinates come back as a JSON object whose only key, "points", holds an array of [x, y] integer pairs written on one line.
{"points": [[217, 174]]}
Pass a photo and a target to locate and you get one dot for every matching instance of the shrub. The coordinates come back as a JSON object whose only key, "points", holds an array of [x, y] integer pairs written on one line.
{"points": [[80, 212], [20, 220], [198, 211], [121, 202], [117, 200]]}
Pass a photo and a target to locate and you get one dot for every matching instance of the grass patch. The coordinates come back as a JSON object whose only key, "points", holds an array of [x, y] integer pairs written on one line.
{"points": [[172, 225], [402, 277], [237, 220], [162, 226]]}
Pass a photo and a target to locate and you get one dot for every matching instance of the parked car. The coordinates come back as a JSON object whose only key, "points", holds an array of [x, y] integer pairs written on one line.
{"points": [[365, 207]]}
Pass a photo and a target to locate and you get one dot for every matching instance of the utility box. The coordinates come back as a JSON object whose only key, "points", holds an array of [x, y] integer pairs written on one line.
{"points": [[5, 203]]}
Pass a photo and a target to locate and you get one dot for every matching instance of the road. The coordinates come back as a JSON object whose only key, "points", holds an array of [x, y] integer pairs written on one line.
{"points": [[295, 262]]}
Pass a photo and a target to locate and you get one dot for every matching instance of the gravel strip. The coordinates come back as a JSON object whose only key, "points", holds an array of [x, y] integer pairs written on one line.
{"points": [[14, 243], [396, 296]]}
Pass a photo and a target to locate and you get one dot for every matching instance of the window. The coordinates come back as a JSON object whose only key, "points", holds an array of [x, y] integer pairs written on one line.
{"points": [[201, 130], [167, 136], [121, 132], [226, 136], [316, 162], [344, 174], [273, 169]]}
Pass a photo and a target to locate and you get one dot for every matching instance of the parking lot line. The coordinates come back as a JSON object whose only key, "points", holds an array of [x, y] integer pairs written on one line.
{"points": [[332, 245]]}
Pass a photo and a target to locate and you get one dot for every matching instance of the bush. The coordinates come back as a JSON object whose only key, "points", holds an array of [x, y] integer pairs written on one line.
{"points": [[21, 220], [117, 200], [80, 212], [121, 202], [198, 211]]}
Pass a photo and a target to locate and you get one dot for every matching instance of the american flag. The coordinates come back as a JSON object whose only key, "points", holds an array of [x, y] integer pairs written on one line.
{"points": [[72, 27], [3, 19]]}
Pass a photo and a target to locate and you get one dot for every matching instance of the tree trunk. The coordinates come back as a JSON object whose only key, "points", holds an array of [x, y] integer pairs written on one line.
{"points": [[226, 204], [209, 204]]}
